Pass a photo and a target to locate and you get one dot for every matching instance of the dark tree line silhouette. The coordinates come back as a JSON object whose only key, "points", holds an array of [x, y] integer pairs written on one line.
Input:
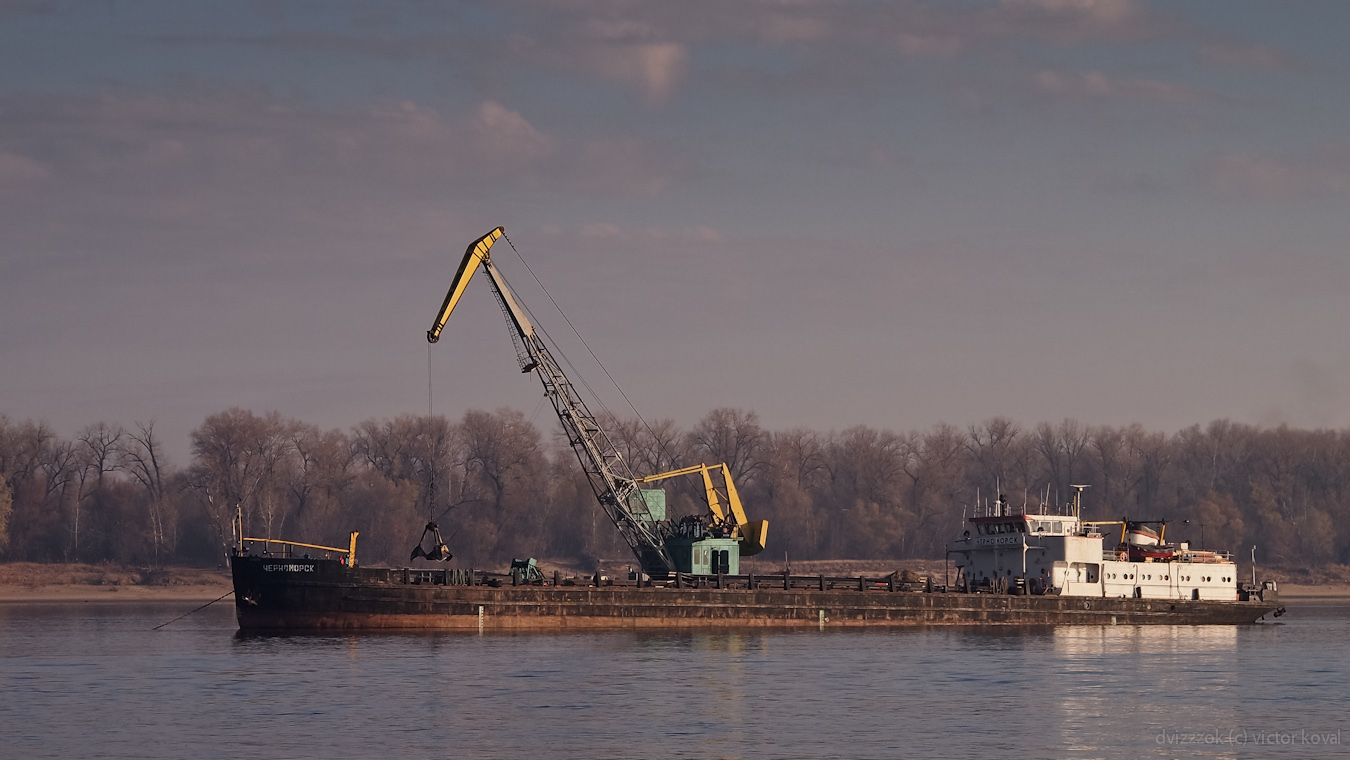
{"points": [[501, 488]]}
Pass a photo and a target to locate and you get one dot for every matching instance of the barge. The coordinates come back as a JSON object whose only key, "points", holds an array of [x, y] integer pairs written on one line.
{"points": [[276, 591], [279, 595]]}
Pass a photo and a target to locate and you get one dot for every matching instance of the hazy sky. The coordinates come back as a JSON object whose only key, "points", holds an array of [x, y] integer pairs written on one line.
{"points": [[831, 213]]}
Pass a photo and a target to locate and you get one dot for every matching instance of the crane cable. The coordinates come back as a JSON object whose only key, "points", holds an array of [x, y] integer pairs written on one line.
{"points": [[588, 349]]}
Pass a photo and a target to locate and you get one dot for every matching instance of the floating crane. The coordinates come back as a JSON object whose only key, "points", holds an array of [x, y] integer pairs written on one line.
{"points": [[639, 514]]}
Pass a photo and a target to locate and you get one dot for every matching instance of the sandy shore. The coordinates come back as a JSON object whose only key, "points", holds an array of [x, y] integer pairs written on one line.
{"points": [[1295, 592], [32, 582], [72, 594]]}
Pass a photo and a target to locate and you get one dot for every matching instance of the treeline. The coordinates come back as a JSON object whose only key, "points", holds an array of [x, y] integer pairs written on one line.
{"points": [[500, 488]]}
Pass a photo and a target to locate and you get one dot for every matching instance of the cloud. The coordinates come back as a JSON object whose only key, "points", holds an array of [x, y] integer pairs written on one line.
{"points": [[600, 230], [1253, 176], [647, 47], [655, 67], [205, 136], [629, 50], [208, 168], [1094, 85], [505, 133], [1074, 22], [623, 165], [930, 45], [18, 169], [697, 234], [1239, 55]]}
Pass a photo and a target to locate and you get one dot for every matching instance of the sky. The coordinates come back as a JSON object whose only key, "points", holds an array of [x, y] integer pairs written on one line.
{"points": [[831, 213]]}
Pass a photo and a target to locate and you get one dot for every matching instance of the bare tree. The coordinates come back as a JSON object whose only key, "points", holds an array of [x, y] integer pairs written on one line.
{"points": [[238, 460], [141, 456], [324, 471], [94, 453], [1062, 447], [732, 436]]}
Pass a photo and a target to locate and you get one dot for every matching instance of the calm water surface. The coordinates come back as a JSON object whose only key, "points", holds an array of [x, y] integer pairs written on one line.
{"points": [[92, 680]]}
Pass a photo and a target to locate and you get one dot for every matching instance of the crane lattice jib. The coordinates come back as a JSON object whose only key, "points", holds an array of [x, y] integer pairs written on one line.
{"points": [[610, 478]]}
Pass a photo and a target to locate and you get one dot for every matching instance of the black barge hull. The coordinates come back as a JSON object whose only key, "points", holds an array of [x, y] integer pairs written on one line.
{"points": [[312, 595]]}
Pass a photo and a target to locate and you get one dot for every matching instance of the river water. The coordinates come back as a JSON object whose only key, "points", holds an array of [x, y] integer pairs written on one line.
{"points": [[93, 680]]}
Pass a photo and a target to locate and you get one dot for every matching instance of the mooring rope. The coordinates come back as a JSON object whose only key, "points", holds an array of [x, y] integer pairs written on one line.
{"points": [[199, 609]]}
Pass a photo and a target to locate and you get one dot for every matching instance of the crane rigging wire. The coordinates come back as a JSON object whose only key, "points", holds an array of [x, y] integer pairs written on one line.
{"points": [[539, 328], [617, 387]]}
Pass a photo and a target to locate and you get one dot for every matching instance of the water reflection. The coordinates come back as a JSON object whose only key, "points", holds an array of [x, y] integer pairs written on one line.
{"points": [[1131, 682], [970, 692]]}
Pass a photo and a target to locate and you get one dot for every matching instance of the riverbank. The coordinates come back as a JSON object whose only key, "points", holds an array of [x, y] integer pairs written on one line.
{"points": [[34, 582]]}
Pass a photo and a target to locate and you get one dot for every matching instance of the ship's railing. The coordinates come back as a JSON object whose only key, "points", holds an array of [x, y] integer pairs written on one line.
{"points": [[1194, 557], [451, 576], [747, 581], [287, 548], [1204, 557], [787, 582]]}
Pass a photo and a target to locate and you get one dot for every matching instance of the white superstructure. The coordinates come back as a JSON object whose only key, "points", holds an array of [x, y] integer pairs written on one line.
{"points": [[1062, 554]]}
